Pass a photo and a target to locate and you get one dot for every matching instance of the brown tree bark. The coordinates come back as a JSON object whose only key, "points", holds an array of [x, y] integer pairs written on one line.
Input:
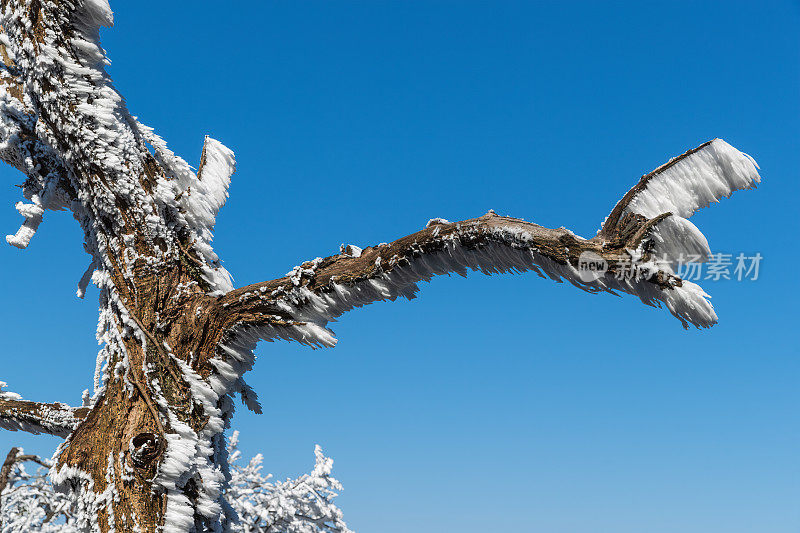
{"points": [[148, 452]]}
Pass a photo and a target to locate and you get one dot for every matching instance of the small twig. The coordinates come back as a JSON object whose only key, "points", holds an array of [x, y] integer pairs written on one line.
{"points": [[158, 346], [12, 459], [33, 459], [185, 251], [646, 228], [149, 403]]}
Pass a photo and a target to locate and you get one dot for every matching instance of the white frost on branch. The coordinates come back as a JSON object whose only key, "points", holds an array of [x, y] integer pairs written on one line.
{"points": [[52, 419], [686, 184], [304, 270], [302, 505], [198, 196], [680, 187], [435, 221], [350, 250], [83, 283], [507, 250], [6, 395], [100, 12], [33, 217], [676, 238], [30, 504]]}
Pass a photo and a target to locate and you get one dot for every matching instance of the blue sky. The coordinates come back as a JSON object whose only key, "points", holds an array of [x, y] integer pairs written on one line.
{"points": [[507, 403]]}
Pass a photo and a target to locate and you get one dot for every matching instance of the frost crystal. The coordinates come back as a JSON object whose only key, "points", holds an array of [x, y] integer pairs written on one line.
{"points": [[8, 396], [435, 221]]}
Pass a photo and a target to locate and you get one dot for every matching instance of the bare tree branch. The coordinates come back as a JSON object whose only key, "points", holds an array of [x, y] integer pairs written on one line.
{"points": [[14, 457], [49, 418], [648, 224], [321, 290]]}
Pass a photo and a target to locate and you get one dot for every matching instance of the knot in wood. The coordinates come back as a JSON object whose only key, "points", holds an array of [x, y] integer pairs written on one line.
{"points": [[144, 448]]}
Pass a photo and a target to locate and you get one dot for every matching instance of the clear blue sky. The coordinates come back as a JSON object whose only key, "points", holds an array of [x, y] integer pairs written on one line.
{"points": [[508, 403]]}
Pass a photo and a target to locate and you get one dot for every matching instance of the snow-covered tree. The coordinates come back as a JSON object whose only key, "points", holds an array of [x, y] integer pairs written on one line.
{"points": [[30, 504], [302, 505], [147, 451]]}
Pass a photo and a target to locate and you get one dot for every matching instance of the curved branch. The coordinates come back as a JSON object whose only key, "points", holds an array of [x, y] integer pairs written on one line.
{"points": [[321, 290], [693, 180], [646, 232], [15, 456]]}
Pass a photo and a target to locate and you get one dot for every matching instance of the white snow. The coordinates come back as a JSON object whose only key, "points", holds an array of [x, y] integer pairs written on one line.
{"points": [[33, 217], [676, 237], [6, 395], [435, 221], [695, 181], [350, 250], [100, 11]]}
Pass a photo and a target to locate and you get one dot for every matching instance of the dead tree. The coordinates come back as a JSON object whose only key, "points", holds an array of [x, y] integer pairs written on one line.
{"points": [[147, 452]]}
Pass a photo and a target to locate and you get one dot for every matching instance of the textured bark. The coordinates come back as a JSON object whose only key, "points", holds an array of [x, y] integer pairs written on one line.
{"points": [[49, 418], [121, 414], [5, 470], [169, 329], [248, 304]]}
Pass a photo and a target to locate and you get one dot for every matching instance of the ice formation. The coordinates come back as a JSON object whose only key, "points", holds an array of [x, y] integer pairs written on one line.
{"points": [[19, 415], [695, 180], [683, 185], [62, 124]]}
